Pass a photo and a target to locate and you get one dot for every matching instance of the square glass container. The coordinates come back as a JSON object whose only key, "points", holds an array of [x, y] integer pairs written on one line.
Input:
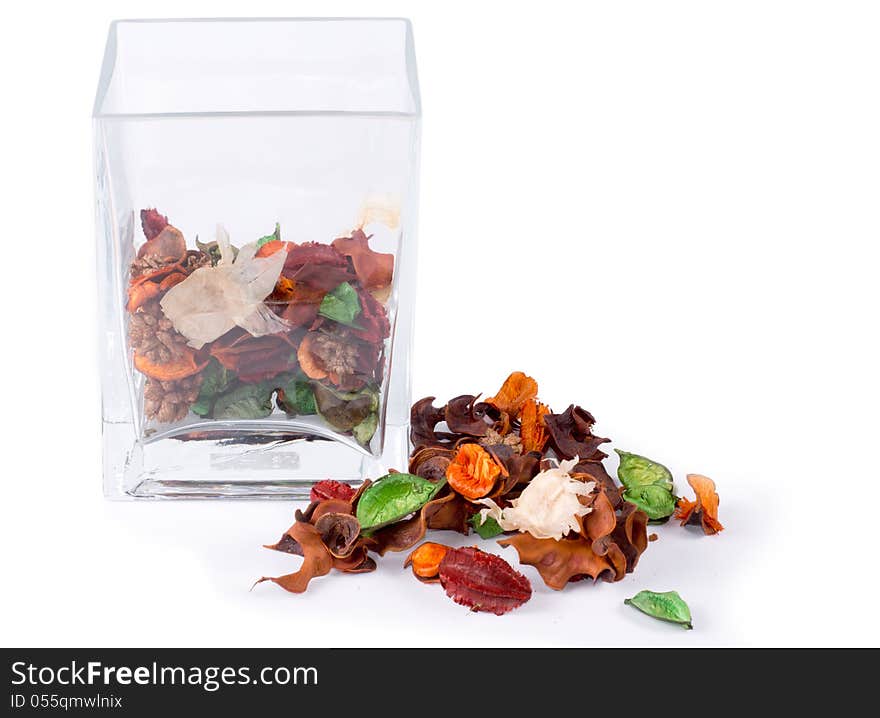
{"points": [[256, 196]]}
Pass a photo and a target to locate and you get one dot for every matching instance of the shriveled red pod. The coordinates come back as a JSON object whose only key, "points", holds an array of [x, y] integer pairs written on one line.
{"points": [[483, 581], [330, 489]]}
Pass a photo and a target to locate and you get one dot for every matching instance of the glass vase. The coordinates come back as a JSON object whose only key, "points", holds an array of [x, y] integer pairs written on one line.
{"points": [[256, 197]]}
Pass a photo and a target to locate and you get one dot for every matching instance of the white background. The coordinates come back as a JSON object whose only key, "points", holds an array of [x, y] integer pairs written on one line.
{"points": [[667, 212]]}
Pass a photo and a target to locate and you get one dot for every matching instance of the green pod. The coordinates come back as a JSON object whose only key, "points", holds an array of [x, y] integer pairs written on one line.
{"points": [[635, 471], [668, 606], [392, 497], [655, 501]]}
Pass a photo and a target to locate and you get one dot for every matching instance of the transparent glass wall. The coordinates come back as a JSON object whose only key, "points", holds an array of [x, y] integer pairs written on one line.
{"points": [[256, 186]]}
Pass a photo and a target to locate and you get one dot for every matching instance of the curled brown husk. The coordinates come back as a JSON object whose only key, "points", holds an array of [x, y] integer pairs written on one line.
{"points": [[571, 434], [607, 547]]}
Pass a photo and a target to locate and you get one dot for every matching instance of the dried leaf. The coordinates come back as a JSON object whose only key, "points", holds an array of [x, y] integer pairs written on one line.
{"points": [[668, 606], [152, 222], [402, 535], [515, 392], [374, 270], [424, 417], [339, 532], [571, 435], [393, 497], [704, 510], [465, 416], [532, 430], [317, 560], [559, 561]]}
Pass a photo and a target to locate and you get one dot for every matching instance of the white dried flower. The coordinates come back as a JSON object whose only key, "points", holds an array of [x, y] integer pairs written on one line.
{"points": [[213, 300], [547, 508]]}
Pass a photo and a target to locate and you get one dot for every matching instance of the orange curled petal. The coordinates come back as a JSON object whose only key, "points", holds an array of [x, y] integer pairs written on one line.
{"points": [[179, 368], [705, 508], [425, 560], [532, 430], [140, 294], [275, 245], [516, 390], [473, 471], [170, 281], [311, 365]]}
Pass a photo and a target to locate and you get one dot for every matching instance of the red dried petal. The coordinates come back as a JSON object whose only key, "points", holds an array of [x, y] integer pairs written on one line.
{"points": [[483, 581], [152, 222], [330, 489]]}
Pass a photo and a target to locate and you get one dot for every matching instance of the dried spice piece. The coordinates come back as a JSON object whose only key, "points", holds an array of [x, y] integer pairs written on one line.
{"points": [[704, 510], [179, 367], [483, 581], [330, 489], [496, 439], [169, 401], [373, 269], [431, 462], [339, 532], [532, 430], [328, 355], [473, 471], [668, 606], [571, 434], [152, 222], [150, 334], [549, 506], [425, 561], [464, 415], [393, 497], [515, 392], [423, 419], [317, 560]]}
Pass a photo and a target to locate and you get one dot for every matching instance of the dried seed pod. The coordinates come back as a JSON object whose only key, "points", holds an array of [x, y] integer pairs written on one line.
{"points": [[483, 581], [425, 561], [339, 532]]}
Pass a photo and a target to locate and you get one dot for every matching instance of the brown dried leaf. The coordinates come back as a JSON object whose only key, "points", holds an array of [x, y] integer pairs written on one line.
{"points": [[571, 434], [317, 560], [465, 416], [559, 561]]}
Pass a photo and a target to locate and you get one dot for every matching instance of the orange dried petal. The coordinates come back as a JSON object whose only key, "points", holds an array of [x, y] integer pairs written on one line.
{"points": [[311, 365], [425, 560], [473, 471], [705, 507], [532, 431], [516, 390], [179, 368]]}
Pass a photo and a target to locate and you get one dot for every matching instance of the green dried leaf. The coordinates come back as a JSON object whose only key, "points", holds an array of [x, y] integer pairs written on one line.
{"points": [[341, 305], [275, 236], [364, 431], [635, 471], [392, 497], [215, 380], [655, 501], [668, 606], [345, 410], [212, 249], [487, 529], [297, 398], [246, 401]]}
